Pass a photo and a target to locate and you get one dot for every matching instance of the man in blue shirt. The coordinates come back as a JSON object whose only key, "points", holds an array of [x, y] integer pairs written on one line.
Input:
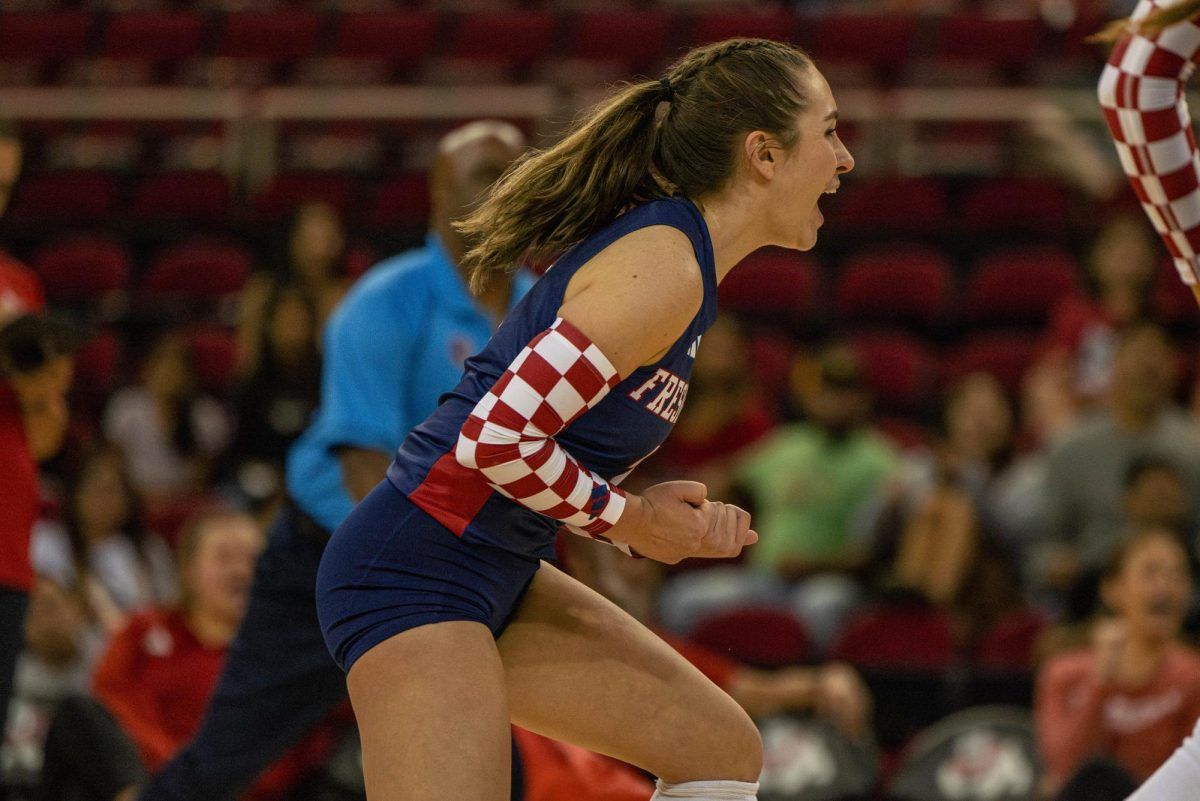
{"points": [[394, 345]]}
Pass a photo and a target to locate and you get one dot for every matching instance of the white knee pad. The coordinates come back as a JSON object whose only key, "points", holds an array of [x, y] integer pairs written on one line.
{"points": [[706, 791]]}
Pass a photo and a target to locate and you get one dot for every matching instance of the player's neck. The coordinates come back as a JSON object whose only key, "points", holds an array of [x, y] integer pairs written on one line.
{"points": [[732, 227]]}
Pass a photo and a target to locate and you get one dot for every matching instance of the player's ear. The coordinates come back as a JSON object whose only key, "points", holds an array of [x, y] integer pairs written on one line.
{"points": [[759, 153]]}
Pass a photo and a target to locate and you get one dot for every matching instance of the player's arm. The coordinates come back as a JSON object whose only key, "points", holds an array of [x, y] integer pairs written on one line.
{"points": [[1141, 91], [622, 310]]}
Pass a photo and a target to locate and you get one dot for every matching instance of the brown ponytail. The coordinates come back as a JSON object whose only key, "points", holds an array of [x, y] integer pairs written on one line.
{"points": [[625, 152], [1154, 23]]}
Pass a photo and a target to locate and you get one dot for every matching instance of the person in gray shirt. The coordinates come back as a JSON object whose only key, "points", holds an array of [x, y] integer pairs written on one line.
{"points": [[1086, 471]]}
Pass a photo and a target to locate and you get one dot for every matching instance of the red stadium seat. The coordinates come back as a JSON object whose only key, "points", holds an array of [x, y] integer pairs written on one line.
{"points": [[44, 35], [401, 38], [899, 369], [1020, 285], [512, 39], [1002, 206], [771, 355], [166, 518], [1009, 644], [1004, 355], [894, 285], [1006, 43], [198, 270], [903, 432], [215, 352], [879, 41], [1174, 303], [635, 41], [773, 282], [900, 636], [82, 270], [63, 196], [154, 36], [716, 26], [401, 202], [97, 364], [199, 196], [891, 206], [762, 636], [287, 192], [271, 36]]}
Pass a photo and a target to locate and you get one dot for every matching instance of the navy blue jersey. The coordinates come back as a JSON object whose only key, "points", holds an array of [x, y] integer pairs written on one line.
{"points": [[625, 427]]}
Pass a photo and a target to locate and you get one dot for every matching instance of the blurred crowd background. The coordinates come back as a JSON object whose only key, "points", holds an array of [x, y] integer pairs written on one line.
{"points": [[967, 424]]}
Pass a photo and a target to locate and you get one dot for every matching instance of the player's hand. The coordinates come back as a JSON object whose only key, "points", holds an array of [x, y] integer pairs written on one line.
{"points": [[673, 521]]}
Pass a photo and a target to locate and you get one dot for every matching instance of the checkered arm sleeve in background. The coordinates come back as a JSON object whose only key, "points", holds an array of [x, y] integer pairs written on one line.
{"points": [[509, 436], [1141, 90]]}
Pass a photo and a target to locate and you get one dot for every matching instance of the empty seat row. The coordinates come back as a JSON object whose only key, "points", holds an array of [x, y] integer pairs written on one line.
{"points": [[633, 40], [902, 206], [207, 198]]}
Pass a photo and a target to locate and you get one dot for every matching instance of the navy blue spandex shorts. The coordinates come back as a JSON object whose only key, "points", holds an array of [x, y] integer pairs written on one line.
{"points": [[390, 567]]}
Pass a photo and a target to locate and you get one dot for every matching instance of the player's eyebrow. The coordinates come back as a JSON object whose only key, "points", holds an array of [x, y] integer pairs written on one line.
{"points": [[833, 115]]}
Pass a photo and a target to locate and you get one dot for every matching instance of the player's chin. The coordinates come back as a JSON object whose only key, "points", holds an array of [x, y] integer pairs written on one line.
{"points": [[806, 237]]}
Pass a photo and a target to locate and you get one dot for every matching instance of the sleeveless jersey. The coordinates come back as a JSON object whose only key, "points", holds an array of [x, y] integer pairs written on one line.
{"points": [[609, 439]]}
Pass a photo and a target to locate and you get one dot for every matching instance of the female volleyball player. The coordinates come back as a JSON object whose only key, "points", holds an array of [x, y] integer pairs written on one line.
{"points": [[432, 595], [1141, 91]]}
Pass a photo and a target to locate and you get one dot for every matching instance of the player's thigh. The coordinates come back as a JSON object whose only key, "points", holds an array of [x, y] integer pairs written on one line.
{"points": [[580, 669], [432, 714]]}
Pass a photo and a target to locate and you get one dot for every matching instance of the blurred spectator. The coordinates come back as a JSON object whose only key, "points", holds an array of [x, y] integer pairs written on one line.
{"points": [[833, 691], [1086, 469], [102, 547], [813, 482], [56, 662], [1157, 496], [157, 673], [35, 375], [316, 250], [1084, 331], [1129, 699], [816, 490], [977, 455], [724, 412], [275, 403], [169, 431]]}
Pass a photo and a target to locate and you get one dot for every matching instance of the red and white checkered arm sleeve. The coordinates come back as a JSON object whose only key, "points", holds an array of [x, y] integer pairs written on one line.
{"points": [[1141, 90], [509, 435]]}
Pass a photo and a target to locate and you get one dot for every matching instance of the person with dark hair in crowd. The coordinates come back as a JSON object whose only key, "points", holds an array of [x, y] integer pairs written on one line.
{"points": [[1086, 468], [396, 342], [313, 262], [1108, 715], [101, 546], [169, 431], [274, 404], [1084, 330], [1157, 495], [35, 375], [817, 487]]}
